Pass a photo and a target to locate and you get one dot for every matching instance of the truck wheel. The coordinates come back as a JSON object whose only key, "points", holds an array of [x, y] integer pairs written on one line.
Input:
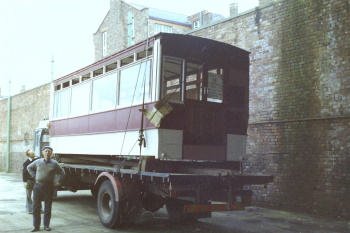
{"points": [[108, 208]]}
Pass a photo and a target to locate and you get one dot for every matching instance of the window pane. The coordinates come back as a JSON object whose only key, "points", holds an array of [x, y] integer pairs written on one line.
{"points": [[104, 43], [215, 85], [194, 81], [80, 100], [162, 28], [61, 105], [104, 93], [133, 81], [172, 76]]}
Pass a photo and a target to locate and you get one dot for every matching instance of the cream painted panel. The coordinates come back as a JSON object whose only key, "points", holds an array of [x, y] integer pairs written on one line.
{"points": [[107, 144], [170, 143], [236, 147]]}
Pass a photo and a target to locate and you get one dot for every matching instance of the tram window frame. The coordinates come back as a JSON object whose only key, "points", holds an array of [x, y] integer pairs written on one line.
{"points": [[80, 105], [61, 103], [98, 108], [167, 81], [194, 78], [122, 100], [215, 81]]}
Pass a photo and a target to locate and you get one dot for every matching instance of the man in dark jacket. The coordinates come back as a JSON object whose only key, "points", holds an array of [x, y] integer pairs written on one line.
{"points": [[28, 181]]}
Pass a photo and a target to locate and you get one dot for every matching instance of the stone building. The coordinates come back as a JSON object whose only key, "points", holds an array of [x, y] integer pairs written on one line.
{"points": [[27, 109], [126, 24], [299, 100]]}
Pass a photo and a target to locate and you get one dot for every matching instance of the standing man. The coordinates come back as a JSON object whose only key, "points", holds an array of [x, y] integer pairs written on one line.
{"points": [[28, 181], [44, 170]]}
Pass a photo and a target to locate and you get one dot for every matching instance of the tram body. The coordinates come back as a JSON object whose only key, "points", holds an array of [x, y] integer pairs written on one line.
{"points": [[188, 95], [163, 122]]}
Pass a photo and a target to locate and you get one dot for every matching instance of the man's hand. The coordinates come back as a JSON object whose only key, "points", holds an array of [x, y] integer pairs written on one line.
{"points": [[26, 186]]}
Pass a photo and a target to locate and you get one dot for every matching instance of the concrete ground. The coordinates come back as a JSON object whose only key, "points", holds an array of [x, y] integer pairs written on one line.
{"points": [[77, 213]]}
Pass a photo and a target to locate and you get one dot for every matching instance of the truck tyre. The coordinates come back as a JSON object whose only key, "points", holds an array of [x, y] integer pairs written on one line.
{"points": [[108, 208]]}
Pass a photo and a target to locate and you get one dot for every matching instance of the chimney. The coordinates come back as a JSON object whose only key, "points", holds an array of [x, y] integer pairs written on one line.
{"points": [[23, 89], [233, 9]]}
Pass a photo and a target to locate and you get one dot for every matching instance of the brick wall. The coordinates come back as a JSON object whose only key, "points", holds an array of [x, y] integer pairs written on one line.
{"points": [[299, 101], [27, 109]]}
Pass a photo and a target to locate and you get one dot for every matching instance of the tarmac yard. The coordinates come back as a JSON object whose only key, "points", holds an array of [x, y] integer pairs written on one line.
{"points": [[77, 213]]}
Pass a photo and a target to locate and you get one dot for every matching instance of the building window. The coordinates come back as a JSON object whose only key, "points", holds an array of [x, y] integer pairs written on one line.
{"points": [[162, 28], [131, 29], [104, 43], [196, 24]]}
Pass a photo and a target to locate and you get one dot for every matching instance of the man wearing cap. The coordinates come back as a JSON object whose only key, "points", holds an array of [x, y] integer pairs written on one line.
{"points": [[44, 171]]}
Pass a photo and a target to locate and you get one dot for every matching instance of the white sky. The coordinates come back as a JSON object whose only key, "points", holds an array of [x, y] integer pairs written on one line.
{"points": [[32, 31]]}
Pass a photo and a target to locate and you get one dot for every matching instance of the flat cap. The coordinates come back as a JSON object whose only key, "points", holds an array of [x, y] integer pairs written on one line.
{"points": [[47, 147]]}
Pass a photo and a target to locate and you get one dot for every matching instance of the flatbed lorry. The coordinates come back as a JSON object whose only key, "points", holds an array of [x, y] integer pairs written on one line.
{"points": [[187, 97]]}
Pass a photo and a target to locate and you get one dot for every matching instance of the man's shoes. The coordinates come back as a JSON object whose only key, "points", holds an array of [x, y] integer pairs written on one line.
{"points": [[47, 228], [36, 229]]}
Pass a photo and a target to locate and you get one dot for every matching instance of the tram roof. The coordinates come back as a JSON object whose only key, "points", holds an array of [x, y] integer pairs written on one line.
{"points": [[179, 42]]}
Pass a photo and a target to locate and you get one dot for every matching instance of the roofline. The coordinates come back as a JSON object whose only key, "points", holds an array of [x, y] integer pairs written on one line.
{"points": [[170, 21]]}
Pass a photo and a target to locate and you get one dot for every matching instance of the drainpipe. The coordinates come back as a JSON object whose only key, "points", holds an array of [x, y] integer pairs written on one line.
{"points": [[8, 129]]}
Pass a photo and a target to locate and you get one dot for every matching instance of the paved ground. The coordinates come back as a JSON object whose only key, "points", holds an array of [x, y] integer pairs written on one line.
{"points": [[77, 213]]}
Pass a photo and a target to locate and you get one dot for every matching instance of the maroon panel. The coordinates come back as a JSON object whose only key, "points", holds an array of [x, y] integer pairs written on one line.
{"points": [[102, 122], [58, 127], [78, 125], [130, 118]]}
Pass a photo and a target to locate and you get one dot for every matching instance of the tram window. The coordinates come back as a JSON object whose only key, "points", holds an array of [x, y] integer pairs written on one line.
{"points": [[97, 72], [104, 93], [215, 85], [61, 104], [80, 99], [85, 77], [194, 81], [127, 60], [132, 83], [66, 84], [142, 54], [172, 78], [112, 66], [75, 81]]}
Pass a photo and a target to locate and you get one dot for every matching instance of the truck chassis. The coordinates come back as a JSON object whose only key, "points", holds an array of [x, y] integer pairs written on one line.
{"points": [[189, 190]]}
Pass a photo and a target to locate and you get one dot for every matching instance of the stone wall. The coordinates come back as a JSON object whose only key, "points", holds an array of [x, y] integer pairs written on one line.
{"points": [[299, 101], [27, 110]]}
